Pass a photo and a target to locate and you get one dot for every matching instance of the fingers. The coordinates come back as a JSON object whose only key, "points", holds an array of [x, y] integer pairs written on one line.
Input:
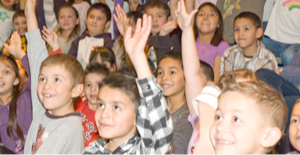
{"points": [[128, 33]]}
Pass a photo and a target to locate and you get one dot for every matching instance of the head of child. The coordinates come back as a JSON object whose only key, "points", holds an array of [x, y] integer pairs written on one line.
{"points": [[105, 56], [93, 74], [244, 108], [207, 73], [133, 5], [9, 5], [60, 80], [98, 19], [160, 13], [19, 22], [209, 22], [9, 92], [294, 130], [247, 30], [68, 21], [133, 17], [170, 74], [118, 101]]}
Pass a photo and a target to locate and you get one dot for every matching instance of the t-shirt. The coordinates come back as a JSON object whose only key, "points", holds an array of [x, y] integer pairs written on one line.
{"points": [[208, 52], [5, 24], [195, 135]]}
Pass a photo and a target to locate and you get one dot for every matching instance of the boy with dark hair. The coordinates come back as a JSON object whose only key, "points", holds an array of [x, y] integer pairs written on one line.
{"points": [[249, 53], [132, 115], [234, 119], [97, 21], [55, 81]]}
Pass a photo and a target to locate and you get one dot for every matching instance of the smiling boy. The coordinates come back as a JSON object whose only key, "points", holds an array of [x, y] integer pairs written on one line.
{"points": [[249, 53], [250, 123]]}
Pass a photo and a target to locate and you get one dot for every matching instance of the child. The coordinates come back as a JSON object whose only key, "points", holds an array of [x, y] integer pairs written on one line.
{"points": [[19, 24], [294, 127], [249, 52], [15, 108], [7, 11], [133, 5], [234, 119], [98, 19], [55, 128], [69, 27], [82, 7], [208, 28], [170, 77], [86, 105], [132, 116], [105, 56]]}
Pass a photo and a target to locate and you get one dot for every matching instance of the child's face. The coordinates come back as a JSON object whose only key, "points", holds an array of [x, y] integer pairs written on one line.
{"points": [[91, 88], [8, 4], [96, 22], [207, 20], [20, 25], [295, 127], [67, 19], [238, 128], [159, 18], [8, 79], [245, 33], [133, 4], [55, 90], [115, 116], [170, 77]]}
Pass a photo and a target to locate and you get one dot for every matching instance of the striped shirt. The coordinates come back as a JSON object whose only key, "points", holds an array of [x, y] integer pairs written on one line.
{"points": [[233, 59]]}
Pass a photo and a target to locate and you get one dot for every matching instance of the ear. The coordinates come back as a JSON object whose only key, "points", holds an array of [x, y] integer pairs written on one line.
{"points": [[107, 25], [271, 137], [16, 81], [77, 90], [113, 67], [259, 32], [77, 21]]}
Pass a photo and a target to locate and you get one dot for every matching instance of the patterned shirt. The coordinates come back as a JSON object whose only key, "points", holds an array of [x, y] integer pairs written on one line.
{"points": [[233, 59], [154, 125]]}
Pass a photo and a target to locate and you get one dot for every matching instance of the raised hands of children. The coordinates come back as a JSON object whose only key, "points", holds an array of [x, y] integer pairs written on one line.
{"points": [[121, 19], [168, 28], [30, 6], [51, 38], [184, 19], [135, 44], [15, 47]]}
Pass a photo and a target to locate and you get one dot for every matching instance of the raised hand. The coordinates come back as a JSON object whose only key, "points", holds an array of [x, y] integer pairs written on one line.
{"points": [[136, 43], [51, 38], [15, 47], [121, 19], [184, 19], [168, 28]]}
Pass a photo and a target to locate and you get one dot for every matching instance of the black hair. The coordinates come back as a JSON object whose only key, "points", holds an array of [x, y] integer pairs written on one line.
{"points": [[101, 7]]}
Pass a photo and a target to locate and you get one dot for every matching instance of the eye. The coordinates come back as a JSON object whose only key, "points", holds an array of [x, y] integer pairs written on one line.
{"points": [[57, 79], [236, 119], [247, 29], [236, 30], [6, 72], [117, 108], [159, 16], [173, 72], [294, 121], [218, 117], [88, 85], [159, 73], [42, 79], [200, 14], [100, 19], [101, 105]]}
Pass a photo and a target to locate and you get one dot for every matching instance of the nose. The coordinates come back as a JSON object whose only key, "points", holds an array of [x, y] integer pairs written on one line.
{"points": [[154, 18], [205, 16], [165, 77], [105, 113], [222, 126], [94, 88], [47, 85]]}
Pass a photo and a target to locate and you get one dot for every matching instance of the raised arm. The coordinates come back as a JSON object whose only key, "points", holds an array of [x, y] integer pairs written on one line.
{"points": [[191, 64], [154, 123], [51, 38]]}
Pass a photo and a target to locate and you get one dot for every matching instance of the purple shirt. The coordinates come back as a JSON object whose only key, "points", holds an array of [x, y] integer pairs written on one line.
{"points": [[208, 52], [24, 114]]}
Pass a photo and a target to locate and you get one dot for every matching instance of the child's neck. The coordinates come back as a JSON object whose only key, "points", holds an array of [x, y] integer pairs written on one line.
{"points": [[92, 106], [65, 34], [250, 51], [5, 99], [78, 1], [175, 101], [64, 110], [10, 8], [114, 143], [206, 38]]}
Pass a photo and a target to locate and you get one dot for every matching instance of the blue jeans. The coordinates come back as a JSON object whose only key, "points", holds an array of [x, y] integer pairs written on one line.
{"points": [[283, 50]]}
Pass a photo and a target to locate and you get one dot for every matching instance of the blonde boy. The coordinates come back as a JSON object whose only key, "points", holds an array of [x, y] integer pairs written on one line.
{"points": [[249, 52], [250, 119], [55, 128]]}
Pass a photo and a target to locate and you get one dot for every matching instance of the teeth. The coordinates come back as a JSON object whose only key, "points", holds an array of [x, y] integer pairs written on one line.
{"points": [[47, 95], [1, 83], [224, 142], [166, 86]]}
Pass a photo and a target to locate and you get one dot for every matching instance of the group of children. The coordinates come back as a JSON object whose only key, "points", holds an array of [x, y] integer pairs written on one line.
{"points": [[163, 87]]}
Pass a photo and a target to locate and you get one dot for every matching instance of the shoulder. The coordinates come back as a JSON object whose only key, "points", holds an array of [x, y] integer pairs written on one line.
{"points": [[231, 50]]}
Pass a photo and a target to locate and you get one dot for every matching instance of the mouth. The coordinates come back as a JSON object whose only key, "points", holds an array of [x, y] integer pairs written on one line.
{"points": [[224, 142], [155, 26], [2, 84], [165, 86], [104, 126], [47, 95], [93, 96]]}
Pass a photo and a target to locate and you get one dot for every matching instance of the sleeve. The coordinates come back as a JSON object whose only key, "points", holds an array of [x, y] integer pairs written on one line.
{"points": [[226, 64], [154, 121], [271, 62], [73, 48], [25, 64]]}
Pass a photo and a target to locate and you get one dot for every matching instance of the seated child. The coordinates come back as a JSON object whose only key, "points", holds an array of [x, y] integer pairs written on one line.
{"points": [[56, 80], [294, 128], [87, 104], [132, 114], [97, 20], [249, 52], [235, 119], [104, 56]]}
